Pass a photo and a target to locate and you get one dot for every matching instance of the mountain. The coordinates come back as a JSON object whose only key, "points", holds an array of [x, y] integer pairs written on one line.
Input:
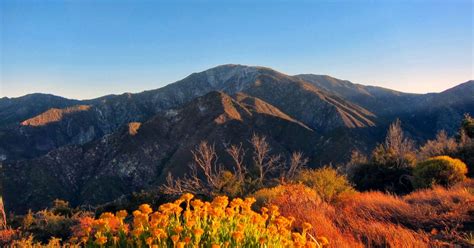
{"points": [[319, 110], [93, 151], [15, 110], [140, 155], [423, 114]]}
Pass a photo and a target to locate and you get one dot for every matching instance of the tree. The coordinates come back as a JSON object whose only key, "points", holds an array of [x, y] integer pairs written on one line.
{"points": [[205, 159], [237, 153], [263, 161], [397, 150], [467, 125], [442, 145], [205, 163], [389, 166], [297, 162], [327, 182]]}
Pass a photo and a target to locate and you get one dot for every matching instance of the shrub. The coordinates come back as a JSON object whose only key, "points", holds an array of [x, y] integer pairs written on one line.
{"points": [[46, 224], [442, 145], [466, 154], [389, 165], [266, 195], [7, 236], [467, 125], [219, 223], [326, 182], [382, 177], [442, 170]]}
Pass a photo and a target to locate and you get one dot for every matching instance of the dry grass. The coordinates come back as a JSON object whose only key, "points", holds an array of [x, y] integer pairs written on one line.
{"points": [[304, 205], [425, 218]]}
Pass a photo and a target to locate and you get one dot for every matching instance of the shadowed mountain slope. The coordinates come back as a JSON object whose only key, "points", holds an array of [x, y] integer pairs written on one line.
{"points": [[139, 156], [424, 114], [94, 151], [302, 101], [15, 110]]}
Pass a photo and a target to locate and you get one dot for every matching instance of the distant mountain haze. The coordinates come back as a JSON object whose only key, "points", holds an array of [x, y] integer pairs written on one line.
{"points": [[93, 151]]}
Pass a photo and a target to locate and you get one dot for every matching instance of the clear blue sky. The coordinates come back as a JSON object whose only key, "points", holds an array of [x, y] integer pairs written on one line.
{"points": [[85, 49]]}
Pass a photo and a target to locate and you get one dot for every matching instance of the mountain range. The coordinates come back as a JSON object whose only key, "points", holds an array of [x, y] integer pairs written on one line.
{"points": [[94, 151]]}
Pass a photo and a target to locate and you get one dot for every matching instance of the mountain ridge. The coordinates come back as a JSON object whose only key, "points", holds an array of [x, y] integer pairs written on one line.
{"points": [[96, 150], [161, 145]]}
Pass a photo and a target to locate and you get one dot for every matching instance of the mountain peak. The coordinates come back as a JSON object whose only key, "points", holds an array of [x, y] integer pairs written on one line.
{"points": [[469, 86]]}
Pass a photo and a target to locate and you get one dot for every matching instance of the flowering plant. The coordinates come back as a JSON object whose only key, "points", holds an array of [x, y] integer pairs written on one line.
{"points": [[194, 223]]}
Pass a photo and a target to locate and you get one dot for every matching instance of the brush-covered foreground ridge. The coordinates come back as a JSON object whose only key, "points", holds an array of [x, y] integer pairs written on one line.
{"points": [[190, 223]]}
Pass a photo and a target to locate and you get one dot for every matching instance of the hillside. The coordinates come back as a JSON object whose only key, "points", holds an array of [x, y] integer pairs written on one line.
{"points": [[96, 150], [140, 156], [317, 109]]}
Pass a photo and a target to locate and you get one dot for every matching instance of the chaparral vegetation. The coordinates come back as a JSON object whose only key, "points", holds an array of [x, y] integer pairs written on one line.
{"points": [[399, 196]]}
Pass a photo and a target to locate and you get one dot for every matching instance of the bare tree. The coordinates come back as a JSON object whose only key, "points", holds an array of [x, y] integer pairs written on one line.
{"points": [[442, 145], [400, 148], [205, 161], [237, 153], [464, 139], [396, 141], [190, 183], [205, 158], [297, 162], [264, 162]]}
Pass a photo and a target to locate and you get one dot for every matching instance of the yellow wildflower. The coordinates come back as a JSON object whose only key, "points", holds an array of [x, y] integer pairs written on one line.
{"points": [[198, 232], [238, 235], [145, 208], [178, 229], [149, 241], [187, 197], [121, 214], [175, 238], [101, 240]]}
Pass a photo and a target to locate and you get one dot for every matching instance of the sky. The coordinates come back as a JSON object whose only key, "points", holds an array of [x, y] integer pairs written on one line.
{"points": [[85, 49]]}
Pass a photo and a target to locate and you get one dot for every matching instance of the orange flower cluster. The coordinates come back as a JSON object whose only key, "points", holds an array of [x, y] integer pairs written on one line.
{"points": [[194, 223]]}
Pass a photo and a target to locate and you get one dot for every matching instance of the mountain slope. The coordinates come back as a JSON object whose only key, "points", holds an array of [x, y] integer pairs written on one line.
{"points": [[423, 114], [317, 109], [139, 156], [15, 110], [273, 87]]}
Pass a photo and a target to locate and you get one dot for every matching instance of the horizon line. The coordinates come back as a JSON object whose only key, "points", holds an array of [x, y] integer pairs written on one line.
{"points": [[222, 65]]}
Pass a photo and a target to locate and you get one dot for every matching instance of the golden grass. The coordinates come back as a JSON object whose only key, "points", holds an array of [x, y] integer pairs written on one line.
{"points": [[425, 218]]}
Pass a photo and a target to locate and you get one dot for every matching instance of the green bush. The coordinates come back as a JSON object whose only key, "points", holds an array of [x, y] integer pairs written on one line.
{"points": [[382, 177], [467, 125], [389, 167], [440, 170], [327, 182]]}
